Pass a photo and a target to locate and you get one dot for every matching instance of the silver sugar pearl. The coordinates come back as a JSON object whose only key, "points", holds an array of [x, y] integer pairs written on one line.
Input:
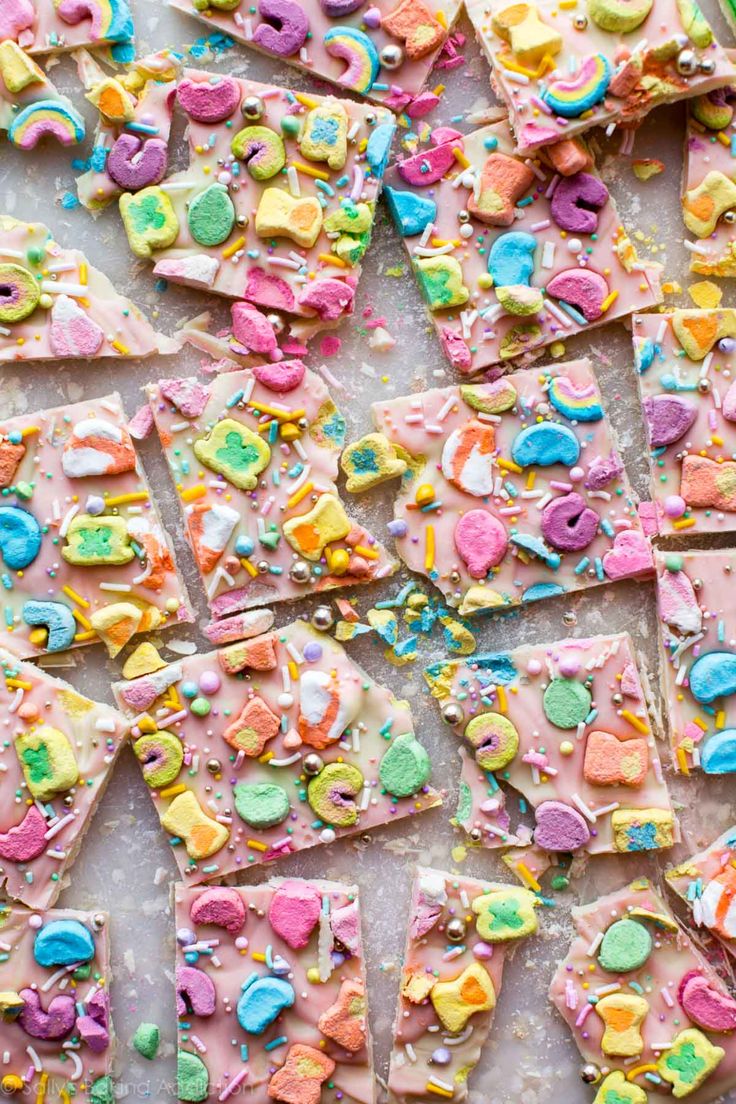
{"points": [[463, 216], [262, 567], [476, 835], [729, 216], [454, 577], [687, 63], [303, 424], [392, 56], [704, 386], [322, 619], [68, 801], [300, 572], [697, 584], [617, 699], [98, 921], [252, 107], [707, 66], [580, 22], [570, 618], [214, 766], [242, 220], [590, 1073], [456, 929], [453, 713], [312, 764]]}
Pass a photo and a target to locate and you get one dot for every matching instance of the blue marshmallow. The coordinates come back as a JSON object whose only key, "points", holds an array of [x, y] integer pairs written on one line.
{"points": [[712, 676], [718, 754], [379, 147], [20, 537], [544, 444], [262, 1000], [56, 617], [511, 259], [63, 942], [411, 213]]}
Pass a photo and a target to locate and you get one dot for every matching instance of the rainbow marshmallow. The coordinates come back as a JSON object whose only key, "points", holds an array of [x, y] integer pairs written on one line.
{"points": [[47, 118], [30, 106]]}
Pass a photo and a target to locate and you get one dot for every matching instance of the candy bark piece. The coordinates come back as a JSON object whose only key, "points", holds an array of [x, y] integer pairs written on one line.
{"points": [[31, 108], [81, 316], [706, 882], [256, 197], [332, 40], [78, 739], [124, 160], [491, 546], [618, 65], [324, 1034], [513, 243], [445, 997], [323, 768], [697, 658], [626, 1030], [555, 761], [93, 518], [55, 26], [294, 545], [706, 182], [683, 359], [40, 1009]]}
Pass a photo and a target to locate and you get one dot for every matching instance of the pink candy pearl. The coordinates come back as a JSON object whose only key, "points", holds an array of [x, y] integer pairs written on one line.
{"points": [[483, 950], [576, 474], [534, 667], [569, 667], [372, 18], [209, 683], [675, 506]]}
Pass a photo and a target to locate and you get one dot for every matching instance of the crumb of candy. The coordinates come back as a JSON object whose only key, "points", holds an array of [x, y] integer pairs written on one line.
{"points": [[705, 294], [146, 1040], [646, 167]]}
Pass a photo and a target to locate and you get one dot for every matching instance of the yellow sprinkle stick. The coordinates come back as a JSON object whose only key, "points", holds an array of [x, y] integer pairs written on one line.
{"points": [[309, 170], [232, 249], [75, 597], [197, 491], [123, 499], [634, 721], [429, 549]]}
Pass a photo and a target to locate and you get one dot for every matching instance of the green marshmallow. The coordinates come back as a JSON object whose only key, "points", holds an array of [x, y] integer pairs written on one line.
{"points": [[192, 1078], [619, 16], [566, 703], [262, 805], [405, 767], [626, 946], [211, 215], [146, 1040], [102, 1091]]}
